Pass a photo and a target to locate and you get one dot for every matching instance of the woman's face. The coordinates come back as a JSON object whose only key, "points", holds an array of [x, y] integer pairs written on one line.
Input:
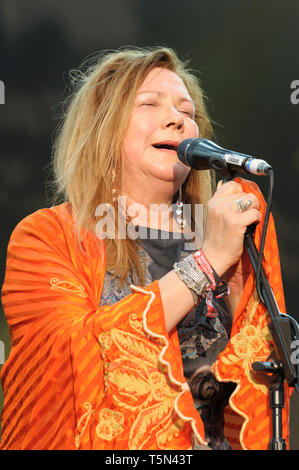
{"points": [[162, 117]]}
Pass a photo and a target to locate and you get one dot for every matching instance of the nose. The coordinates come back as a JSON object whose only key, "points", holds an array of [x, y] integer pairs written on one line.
{"points": [[173, 119]]}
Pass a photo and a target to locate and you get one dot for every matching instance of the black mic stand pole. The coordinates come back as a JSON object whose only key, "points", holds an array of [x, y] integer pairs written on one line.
{"points": [[274, 368], [283, 333]]}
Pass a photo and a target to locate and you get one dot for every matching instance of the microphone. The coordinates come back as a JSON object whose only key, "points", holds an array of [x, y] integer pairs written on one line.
{"points": [[203, 154]]}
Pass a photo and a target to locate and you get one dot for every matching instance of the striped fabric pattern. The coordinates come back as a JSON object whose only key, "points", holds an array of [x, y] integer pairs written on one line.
{"points": [[54, 379]]}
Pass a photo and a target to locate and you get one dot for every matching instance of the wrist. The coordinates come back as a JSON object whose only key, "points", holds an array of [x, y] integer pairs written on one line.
{"points": [[192, 275], [215, 261], [219, 286]]}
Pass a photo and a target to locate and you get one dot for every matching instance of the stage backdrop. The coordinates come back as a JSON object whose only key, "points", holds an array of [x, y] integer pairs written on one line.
{"points": [[247, 56]]}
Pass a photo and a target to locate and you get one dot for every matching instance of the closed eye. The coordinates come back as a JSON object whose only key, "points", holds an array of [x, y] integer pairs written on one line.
{"points": [[148, 103], [190, 114]]}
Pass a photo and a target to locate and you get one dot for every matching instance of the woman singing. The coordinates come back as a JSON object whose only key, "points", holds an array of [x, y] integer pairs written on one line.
{"points": [[123, 336]]}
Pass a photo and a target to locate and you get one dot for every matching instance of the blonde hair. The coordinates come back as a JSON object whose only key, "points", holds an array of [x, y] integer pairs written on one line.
{"points": [[87, 149]]}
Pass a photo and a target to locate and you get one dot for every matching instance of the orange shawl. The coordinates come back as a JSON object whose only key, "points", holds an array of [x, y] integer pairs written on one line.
{"points": [[80, 376]]}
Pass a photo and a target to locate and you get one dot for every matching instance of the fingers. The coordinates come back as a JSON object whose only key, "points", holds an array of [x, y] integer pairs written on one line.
{"points": [[246, 207], [229, 187], [235, 190], [245, 202], [249, 217], [230, 212], [235, 202], [239, 207]]}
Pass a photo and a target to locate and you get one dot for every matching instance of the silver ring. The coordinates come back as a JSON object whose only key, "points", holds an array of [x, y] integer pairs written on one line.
{"points": [[243, 206]]}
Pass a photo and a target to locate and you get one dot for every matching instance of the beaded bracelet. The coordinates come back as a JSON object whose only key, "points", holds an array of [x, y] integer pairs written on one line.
{"points": [[218, 287]]}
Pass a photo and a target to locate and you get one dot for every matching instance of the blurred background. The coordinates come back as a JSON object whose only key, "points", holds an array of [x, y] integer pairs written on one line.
{"points": [[245, 51]]}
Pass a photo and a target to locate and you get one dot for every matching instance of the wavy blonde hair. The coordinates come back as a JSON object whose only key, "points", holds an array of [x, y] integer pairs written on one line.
{"points": [[87, 149]]}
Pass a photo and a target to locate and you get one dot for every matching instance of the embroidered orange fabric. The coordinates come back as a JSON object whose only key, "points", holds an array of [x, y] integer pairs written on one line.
{"points": [[80, 376]]}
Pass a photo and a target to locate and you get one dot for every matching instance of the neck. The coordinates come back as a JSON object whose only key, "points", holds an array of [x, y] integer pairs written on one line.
{"points": [[151, 210], [149, 201], [156, 213]]}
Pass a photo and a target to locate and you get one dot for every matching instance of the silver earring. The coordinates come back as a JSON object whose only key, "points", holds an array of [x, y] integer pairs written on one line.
{"points": [[113, 189], [178, 211]]}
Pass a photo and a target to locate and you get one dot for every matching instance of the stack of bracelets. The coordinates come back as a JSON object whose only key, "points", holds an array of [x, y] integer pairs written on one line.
{"points": [[199, 276]]}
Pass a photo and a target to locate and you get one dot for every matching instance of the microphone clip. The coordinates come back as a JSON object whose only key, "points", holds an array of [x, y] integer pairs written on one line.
{"points": [[219, 164]]}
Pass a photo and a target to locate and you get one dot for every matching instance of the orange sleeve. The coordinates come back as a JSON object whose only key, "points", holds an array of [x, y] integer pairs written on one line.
{"points": [[79, 375]]}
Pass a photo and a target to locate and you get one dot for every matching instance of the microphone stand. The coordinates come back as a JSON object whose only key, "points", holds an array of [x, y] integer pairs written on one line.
{"points": [[284, 329], [283, 335]]}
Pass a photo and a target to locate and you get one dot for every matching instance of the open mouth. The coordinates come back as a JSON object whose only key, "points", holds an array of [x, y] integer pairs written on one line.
{"points": [[165, 146]]}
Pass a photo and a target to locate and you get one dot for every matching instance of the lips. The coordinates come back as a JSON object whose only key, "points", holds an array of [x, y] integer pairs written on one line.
{"points": [[167, 145]]}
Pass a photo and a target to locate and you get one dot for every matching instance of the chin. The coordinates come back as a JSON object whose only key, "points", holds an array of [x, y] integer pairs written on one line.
{"points": [[168, 181], [175, 172]]}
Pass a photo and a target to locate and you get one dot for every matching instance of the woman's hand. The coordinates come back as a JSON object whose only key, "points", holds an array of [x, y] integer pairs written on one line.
{"points": [[226, 224], [223, 246]]}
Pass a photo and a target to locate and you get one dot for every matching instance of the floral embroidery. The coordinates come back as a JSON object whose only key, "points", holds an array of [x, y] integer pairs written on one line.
{"points": [[136, 384], [110, 424], [252, 343], [135, 323], [167, 434], [105, 342], [56, 284], [84, 418]]}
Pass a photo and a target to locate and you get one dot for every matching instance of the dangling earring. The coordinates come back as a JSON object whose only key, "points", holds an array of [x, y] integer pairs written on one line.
{"points": [[178, 212], [113, 189]]}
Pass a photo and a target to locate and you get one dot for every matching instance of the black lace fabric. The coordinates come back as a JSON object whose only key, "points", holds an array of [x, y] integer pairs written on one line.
{"points": [[202, 339]]}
